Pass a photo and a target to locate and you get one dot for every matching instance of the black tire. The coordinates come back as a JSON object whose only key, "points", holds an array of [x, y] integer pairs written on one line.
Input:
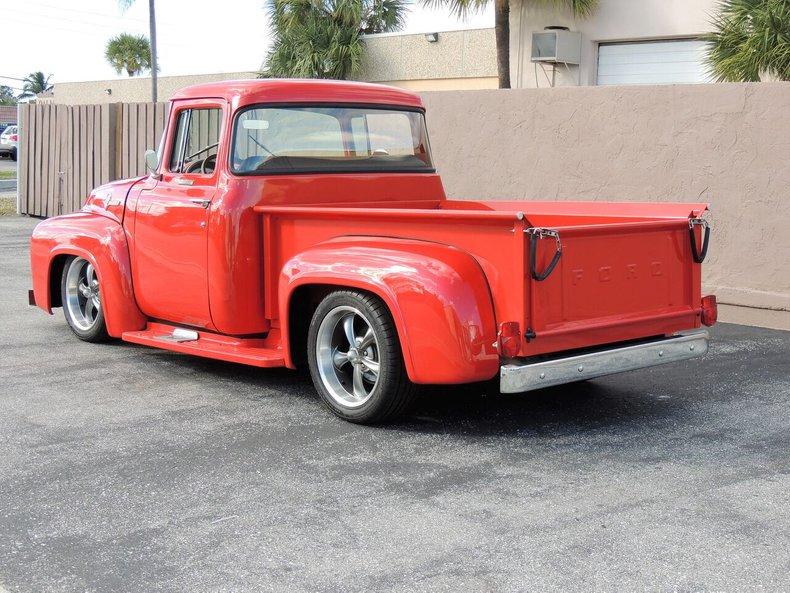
{"points": [[96, 331], [13, 154], [392, 392]]}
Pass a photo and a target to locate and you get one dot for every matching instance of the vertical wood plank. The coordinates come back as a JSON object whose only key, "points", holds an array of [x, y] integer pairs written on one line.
{"points": [[91, 151], [83, 152], [46, 163], [123, 140], [141, 136], [24, 158], [108, 142], [57, 205], [150, 112], [68, 165], [53, 160]]}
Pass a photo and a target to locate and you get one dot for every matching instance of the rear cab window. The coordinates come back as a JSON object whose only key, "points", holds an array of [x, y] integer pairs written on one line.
{"points": [[323, 139]]}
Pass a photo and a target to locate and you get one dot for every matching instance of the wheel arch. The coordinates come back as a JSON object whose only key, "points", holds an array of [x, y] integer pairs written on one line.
{"points": [[437, 295], [102, 242]]}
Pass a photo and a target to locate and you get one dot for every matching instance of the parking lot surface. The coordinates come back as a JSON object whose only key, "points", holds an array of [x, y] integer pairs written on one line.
{"points": [[130, 469]]}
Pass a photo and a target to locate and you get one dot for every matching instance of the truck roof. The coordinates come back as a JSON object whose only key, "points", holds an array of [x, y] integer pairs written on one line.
{"points": [[272, 90]]}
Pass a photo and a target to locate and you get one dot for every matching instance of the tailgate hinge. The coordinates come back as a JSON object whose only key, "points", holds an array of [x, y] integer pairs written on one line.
{"points": [[696, 253], [535, 234]]}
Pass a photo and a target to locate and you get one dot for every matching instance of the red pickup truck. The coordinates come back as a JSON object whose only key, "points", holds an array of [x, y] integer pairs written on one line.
{"points": [[291, 223]]}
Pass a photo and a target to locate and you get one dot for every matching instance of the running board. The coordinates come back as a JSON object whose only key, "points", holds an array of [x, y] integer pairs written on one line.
{"points": [[250, 351]]}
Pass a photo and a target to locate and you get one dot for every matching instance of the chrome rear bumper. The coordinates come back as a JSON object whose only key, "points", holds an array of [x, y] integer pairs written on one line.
{"points": [[515, 377]]}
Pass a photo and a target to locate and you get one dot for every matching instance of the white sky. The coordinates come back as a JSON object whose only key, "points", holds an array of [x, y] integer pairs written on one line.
{"points": [[66, 38]]}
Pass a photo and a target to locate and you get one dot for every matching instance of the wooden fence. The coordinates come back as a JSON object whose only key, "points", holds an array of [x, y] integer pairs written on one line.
{"points": [[67, 150]]}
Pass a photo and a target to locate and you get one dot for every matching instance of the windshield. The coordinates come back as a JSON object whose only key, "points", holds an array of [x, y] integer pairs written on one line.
{"points": [[329, 139]]}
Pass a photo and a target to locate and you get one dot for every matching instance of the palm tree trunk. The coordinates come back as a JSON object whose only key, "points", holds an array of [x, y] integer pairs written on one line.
{"points": [[502, 32], [154, 61]]}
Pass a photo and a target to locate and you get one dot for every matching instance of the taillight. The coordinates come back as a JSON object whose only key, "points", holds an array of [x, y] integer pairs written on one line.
{"points": [[710, 310], [14, 137], [509, 339]]}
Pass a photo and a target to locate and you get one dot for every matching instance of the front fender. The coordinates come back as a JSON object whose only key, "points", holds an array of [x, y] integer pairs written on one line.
{"points": [[101, 241], [438, 297]]}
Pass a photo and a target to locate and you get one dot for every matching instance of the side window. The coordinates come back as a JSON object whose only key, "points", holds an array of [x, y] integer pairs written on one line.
{"points": [[196, 141]]}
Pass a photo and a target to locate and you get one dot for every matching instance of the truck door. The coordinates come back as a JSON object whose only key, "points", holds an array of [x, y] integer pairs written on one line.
{"points": [[170, 230]]}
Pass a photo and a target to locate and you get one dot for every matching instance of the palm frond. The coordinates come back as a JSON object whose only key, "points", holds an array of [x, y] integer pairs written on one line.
{"points": [[128, 53], [750, 38], [323, 38], [458, 8]]}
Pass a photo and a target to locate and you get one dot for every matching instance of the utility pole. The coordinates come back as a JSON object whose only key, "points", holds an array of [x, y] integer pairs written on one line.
{"points": [[152, 26]]}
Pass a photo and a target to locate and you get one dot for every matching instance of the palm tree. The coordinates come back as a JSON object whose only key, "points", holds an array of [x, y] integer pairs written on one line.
{"points": [[462, 8], [129, 53], [35, 83], [751, 40], [323, 38], [124, 4]]}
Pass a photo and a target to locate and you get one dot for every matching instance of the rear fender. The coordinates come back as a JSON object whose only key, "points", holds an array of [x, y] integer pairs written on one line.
{"points": [[438, 297], [102, 242]]}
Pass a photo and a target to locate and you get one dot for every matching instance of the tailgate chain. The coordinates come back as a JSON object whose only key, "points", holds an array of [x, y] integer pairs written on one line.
{"points": [[699, 256], [534, 235]]}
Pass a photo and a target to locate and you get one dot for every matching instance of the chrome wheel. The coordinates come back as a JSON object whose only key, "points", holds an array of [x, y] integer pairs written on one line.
{"points": [[347, 353], [82, 294]]}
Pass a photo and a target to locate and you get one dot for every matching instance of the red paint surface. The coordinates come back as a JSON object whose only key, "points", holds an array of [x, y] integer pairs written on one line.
{"points": [[450, 271]]}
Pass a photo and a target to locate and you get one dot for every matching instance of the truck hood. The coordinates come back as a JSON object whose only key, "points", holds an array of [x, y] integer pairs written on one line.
{"points": [[110, 199]]}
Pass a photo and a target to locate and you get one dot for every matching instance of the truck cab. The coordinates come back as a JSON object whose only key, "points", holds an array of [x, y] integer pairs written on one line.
{"points": [[303, 224]]}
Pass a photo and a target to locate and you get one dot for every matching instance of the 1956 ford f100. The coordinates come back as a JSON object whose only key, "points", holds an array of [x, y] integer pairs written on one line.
{"points": [[290, 223]]}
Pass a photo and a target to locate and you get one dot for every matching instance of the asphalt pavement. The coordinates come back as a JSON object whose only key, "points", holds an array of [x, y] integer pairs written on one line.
{"points": [[124, 468]]}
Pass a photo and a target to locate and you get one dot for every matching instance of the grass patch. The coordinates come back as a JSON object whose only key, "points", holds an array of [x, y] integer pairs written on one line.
{"points": [[7, 206], [7, 174]]}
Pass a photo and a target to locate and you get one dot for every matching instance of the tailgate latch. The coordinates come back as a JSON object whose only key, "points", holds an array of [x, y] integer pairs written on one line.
{"points": [[696, 253], [536, 234]]}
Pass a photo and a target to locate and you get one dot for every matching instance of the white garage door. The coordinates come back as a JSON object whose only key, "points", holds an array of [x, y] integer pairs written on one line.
{"points": [[652, 62]]}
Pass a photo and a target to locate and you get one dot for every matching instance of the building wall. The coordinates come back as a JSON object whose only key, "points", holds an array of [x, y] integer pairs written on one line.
{"points": [[727, 144], [458, 60], [131, 90], [614, 20]]}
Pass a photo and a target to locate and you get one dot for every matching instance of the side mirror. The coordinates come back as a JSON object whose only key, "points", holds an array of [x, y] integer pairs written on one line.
{"points": [[151, 161]]}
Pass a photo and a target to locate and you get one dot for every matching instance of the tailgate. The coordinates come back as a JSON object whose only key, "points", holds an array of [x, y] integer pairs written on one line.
{"points": [[614, 281]]}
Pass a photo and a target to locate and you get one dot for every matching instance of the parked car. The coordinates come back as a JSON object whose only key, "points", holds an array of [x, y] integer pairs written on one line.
{"points": [[9, 141], [302, 224], [4, 125]]}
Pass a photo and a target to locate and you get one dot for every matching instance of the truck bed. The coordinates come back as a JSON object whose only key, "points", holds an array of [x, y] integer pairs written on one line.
{"points": [[626, 270]]}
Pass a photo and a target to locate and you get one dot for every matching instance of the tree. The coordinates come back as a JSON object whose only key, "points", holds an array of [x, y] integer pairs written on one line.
{"points": [[7, 96], [751, 39], [35, 83], [124, 4], [129, 53], [462, 8], [323, 38]]}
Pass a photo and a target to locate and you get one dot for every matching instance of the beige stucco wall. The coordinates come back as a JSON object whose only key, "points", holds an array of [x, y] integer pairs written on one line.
{"points": [[132, 90], [458, 60], [614, 20], [727, 144], [446, 84]]}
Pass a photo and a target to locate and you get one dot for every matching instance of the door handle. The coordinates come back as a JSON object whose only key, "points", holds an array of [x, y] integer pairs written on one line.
{"points": [[183, 181], [201, 203]]}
